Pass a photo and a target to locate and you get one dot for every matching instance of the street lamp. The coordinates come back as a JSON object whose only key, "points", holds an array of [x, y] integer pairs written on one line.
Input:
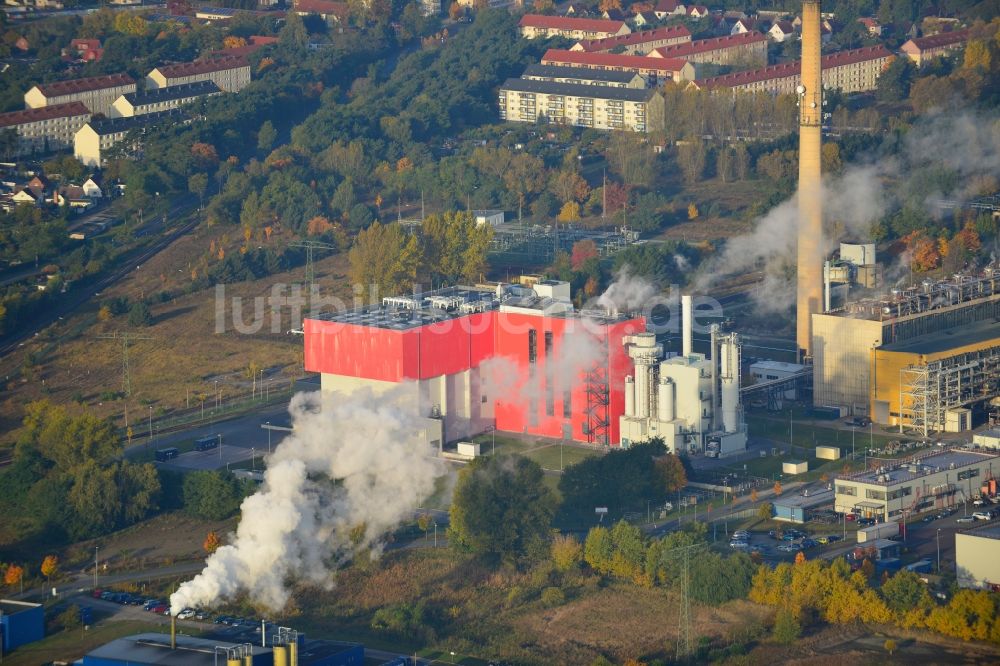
{"points": [[268, 424], [150, 424], [939, 550], [96, 548], [253, 459]]}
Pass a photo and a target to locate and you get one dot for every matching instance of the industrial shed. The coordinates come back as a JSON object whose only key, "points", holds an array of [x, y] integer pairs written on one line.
{"points": [[20, 623], [797, 508]]}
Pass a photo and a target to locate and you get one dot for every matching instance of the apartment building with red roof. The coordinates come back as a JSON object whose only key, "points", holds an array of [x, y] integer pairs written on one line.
{"points": [[47, 128], [97, 93], [230, 73], [537, 25], [923, 49], [747, 49], [656, 71], [637, 43], [856, 70]]}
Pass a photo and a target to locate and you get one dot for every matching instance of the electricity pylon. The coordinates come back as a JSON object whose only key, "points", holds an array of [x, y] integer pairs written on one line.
{"points": [[125, 337]]}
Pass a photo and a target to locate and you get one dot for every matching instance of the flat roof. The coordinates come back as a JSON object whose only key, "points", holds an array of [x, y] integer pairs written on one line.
{"points": [[411, 311], [777, 365], [991, 530], [814, 498], [908, 470], [169, 93], [583, 73], [12, 607], [950, 338], [152, 648], [579, 90]]}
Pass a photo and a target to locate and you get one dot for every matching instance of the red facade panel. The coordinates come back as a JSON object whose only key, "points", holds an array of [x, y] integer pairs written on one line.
{"points": [[482, 334], [359, 351], [444, 348]]}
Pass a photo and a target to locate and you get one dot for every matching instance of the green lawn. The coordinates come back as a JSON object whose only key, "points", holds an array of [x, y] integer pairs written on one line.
{"points": [[554, 456]]}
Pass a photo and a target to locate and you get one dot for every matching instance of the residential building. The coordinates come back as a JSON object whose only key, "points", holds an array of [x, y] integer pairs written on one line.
{"points": [[93, 141], [924, 483], [161, 99], [782, 31], [667, 8], [537, 25], [977, 557], [851, 71], [231, 73], [697, 11], [645, 19], [215, 13], [600, 107], [743, 25], [637, 43], [656, 71], [430, 7], [83, 50], [872, 25], [47, 128], [923, 49], [96, 93], [745, 50], [332, 12], [585, 76]]}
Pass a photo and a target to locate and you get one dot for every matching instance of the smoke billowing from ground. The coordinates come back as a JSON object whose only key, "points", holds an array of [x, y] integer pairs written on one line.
{"points": [[348, 474], [966, 143]]}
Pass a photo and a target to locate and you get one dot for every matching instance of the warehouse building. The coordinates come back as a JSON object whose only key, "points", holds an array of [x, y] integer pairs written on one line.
{"points": [[656, 71], [97, 93], [230, 73], [799, 508], [988, 439], [152, 649], [851, 71], [977, 557], [636, 43], [47, 128], [161, 99], [923, 483], [515, 359], [924, 358], [20, 623], [599, 107]]}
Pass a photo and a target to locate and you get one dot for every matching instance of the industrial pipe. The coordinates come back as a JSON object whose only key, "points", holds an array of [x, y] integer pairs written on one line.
{"points": [[687, 323], [173, 632]]}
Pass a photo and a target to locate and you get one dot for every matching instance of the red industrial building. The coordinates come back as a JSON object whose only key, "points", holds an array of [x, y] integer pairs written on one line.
{"points": [[516, 359]]}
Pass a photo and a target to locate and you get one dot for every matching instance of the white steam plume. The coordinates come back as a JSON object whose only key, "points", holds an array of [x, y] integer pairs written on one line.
{"points": [[627, 293], [966, 143], [349, 472]]}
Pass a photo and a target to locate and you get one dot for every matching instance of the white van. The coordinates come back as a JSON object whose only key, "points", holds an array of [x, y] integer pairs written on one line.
{"points": [[982, 515]]}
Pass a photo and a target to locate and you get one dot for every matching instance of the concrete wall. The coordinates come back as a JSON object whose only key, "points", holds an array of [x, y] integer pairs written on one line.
{"points": [[842, 360], [977, 561]]}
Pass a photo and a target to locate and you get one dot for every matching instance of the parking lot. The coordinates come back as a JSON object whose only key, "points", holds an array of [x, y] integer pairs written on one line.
{"points": [[783, 545]]}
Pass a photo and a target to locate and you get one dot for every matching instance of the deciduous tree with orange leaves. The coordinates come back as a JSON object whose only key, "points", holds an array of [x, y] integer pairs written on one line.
{"points": [[13, 575], [212, 542], [49, 566]]}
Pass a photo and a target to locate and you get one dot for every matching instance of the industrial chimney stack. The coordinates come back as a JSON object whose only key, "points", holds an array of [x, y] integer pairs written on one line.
{"points": [[810, 253]]}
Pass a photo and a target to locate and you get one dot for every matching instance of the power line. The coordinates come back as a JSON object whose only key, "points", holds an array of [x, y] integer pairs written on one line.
{"points": [[310, 246], [125, 337]]}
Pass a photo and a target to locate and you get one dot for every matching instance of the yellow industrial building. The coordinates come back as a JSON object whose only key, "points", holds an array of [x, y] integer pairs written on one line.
{"points": [[920, 358]]}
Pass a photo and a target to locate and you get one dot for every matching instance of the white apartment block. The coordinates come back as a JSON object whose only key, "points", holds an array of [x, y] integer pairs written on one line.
{"points": [[96, 93], [230, 73], [161, 99], [597, 106], [46, 129]]}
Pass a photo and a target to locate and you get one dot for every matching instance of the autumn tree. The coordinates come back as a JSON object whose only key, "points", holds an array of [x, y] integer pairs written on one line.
{"points": [[691, 158], [693, 211], [455, 11], [583, 251], [384, 260], [765, 511], [566, 551], [204, 156], [211, 543], [598, 549], [455, 247], [610, 5], [14, 575], [800, 557], [49, 566], [568, 185], [233, 42], [570, 212], [670, 473]]}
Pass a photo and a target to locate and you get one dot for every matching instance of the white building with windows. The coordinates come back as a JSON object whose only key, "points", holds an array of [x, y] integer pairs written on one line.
{"points": [[926, 483]]}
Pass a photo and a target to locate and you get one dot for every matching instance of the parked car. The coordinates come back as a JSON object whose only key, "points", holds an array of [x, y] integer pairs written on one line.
{"points": [[983, 515], [186, 614], [965, 519], [789, 547], [160, 609], [866, 522], [850, 517], [222, 619], [739, 545], [808, 543]]}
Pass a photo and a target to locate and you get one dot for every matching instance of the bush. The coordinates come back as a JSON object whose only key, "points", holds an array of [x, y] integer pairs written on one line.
{"points": [[786, 627], [552, 597]]}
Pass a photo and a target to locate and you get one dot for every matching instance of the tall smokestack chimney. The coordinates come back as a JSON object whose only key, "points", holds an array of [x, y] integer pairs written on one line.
{"points": [[810, 254], [687, 324]]}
